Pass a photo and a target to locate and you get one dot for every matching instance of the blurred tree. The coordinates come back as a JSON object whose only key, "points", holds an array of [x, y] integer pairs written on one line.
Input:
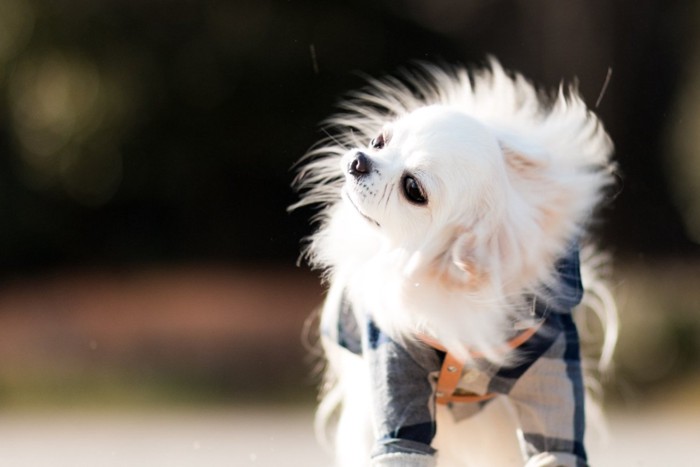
{"points": [[165, 131]]}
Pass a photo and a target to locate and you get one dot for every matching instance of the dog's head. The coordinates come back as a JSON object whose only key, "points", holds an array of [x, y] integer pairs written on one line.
{"points": [[441, 186], [475, 180]]}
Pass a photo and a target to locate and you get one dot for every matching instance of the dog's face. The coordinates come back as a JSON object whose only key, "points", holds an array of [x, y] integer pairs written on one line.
{"points": [[427, 177]]}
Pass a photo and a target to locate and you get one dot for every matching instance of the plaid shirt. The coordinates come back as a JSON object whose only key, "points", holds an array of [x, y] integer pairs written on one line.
{"points": [[550, 409]]}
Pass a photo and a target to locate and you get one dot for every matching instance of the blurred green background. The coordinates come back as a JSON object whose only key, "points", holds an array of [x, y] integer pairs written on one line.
{"points": [[146, 256]]}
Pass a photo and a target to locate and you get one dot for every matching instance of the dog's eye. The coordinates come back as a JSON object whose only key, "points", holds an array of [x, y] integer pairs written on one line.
{"points": [[413, 191], [378, 142]]}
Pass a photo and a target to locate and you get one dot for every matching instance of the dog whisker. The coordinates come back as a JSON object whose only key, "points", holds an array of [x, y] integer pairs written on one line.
{"points": [[332, 138], [388, 198]]}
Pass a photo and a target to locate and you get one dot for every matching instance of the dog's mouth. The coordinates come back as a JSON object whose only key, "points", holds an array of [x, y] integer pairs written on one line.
{"points": [[348, 198]]}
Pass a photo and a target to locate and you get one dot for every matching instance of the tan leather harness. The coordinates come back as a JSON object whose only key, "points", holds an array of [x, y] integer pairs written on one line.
{"points": [[446, 390]]}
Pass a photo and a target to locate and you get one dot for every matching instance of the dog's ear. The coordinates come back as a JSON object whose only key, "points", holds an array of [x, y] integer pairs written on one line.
{"points": [[539, 223], [543, 196], [473, 256], [459, 261], [495, 241], [523, 162], [466, 258]]}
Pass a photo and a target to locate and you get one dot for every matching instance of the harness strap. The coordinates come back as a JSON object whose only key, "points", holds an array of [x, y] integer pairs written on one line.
{"points": [[446, 390]]}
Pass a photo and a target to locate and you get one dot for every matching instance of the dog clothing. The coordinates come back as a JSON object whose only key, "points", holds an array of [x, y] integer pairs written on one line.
{"points": [[545, 385]]}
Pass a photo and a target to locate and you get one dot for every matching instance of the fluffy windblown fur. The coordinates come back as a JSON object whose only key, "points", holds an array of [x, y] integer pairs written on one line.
{"points": [[492, 240], [446, 197]]}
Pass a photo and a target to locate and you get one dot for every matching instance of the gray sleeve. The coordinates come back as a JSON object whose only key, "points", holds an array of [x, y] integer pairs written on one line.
{"points": [[403, 394]]}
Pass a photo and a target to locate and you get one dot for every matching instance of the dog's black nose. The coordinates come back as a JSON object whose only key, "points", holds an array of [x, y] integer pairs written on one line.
{"points": [[360, 165]]}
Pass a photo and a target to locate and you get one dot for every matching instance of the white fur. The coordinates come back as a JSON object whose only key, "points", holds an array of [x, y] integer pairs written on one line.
{"points": [[512, 178]]}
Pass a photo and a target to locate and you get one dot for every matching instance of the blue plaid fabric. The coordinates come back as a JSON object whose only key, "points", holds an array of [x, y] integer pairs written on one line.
{"points": [[545, 386]]}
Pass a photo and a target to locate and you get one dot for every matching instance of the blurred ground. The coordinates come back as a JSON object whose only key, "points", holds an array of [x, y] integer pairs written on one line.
{"points": [[273, 437], [222, 437]]}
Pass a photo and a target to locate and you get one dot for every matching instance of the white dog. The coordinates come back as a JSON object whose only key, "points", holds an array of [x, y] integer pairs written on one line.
{"points": [[453, 208]]}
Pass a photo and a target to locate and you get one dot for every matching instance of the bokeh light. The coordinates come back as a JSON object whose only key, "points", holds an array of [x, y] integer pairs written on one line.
{"points": [[64, 125]]}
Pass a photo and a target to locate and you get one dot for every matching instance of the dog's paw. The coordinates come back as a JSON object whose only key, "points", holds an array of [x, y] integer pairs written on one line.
{"points": [[553, 459], [400, 459]]}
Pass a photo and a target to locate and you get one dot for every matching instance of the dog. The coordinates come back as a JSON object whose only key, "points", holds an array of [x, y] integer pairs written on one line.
{"points": [[454, 208]]}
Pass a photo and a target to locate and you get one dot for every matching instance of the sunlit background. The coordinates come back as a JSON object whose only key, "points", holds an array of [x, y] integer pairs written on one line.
{"points": [[151, 308]]}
